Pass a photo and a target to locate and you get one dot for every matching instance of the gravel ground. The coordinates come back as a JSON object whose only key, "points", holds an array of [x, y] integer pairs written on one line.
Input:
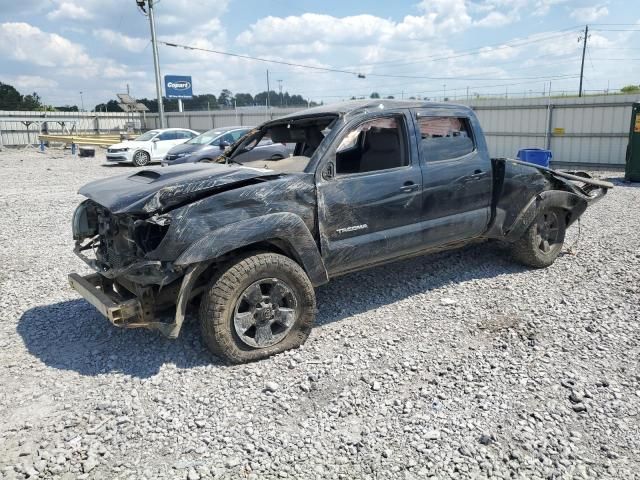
{"points": [[461, 364]]}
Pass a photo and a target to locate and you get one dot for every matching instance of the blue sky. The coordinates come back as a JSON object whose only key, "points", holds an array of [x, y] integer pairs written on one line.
{"points": [[427, 48]]}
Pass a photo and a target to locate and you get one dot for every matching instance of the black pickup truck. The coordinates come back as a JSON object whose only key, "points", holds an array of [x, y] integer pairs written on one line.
{"points": [[369, 182]]}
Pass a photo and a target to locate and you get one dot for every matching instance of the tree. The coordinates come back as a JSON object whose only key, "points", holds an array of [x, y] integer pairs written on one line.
{"points": [[390, 97], [110, 106], [31, 102], [374, 95], [10, 98], [67, 108], [630, 89], [244, 99], [225, 99]]}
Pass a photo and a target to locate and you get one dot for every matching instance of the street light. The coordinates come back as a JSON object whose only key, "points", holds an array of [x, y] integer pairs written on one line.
{"points": [[81, 103]]}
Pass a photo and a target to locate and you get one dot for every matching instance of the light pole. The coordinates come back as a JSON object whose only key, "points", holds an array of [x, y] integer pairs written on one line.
{"points": [[156, 59], [81, 103]]}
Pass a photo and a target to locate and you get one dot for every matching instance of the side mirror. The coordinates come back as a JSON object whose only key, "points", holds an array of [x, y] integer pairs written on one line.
{"points": [[224, 145], [328, 172], [156, 139]]}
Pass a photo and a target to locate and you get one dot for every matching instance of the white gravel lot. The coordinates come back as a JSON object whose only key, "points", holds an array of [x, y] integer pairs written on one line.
{"points": [[460, 364]]}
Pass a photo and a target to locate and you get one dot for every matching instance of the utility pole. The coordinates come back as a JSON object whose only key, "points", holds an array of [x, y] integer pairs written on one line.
{"points": [[156, 59], [584, 50], [268, 88], [280, 88]]}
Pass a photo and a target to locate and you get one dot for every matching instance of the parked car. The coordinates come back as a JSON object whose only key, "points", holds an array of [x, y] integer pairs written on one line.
{"points": [[370, 182], [206, 146], [211, 144], [149, 147]]}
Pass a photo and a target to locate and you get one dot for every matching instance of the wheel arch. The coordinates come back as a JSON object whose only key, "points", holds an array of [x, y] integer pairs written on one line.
{"points": [[574, 206], [284, 233]]}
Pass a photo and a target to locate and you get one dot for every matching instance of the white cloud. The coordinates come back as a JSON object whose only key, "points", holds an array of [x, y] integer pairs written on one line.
{"points": [[29, 83], [131, 44], [439, 17], [493, 20], [26, 43], [590, 14], [542, 7], [71, 11]]}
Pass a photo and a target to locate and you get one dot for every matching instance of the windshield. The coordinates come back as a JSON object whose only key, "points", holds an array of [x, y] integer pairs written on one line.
{"points": [[284, 147], [206, 137], [145, 137]]}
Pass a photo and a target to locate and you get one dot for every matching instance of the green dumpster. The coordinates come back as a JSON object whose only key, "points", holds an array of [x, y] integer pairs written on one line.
{"points": [[632, 170]]}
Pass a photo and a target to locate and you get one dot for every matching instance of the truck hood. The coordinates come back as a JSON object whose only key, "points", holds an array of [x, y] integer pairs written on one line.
{"points": [[160, 189]]}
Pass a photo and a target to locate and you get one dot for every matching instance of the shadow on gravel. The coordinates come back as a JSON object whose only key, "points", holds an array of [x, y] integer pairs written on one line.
{"points": [[621, 182], [370, 289], [72, 335]]}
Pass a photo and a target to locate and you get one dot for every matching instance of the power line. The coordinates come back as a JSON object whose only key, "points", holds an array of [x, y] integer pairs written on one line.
{"points": [[349, 72], [474, 51]]}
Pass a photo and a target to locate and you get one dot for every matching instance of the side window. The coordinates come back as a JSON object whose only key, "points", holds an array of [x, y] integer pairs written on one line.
{"points": [[374, 145], [184, 134], [236, 134], [171, 135], [444, 138]]}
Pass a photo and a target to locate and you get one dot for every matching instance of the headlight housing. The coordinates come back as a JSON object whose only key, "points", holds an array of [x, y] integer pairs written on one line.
{"points": [[85, 221]]}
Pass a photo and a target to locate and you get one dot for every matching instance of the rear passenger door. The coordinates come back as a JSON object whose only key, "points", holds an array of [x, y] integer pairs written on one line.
{"points": [[369, 194], [457, 178]]}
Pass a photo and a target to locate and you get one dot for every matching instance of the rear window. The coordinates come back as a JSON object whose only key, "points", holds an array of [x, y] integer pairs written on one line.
{"points": [[444, 138]]}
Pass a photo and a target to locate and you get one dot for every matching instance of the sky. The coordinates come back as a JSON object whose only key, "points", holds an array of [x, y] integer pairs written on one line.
{"points": [[425, 49]]}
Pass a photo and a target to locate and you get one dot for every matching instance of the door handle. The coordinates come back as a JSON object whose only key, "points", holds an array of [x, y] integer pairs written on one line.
{"points": [[409, 187]]}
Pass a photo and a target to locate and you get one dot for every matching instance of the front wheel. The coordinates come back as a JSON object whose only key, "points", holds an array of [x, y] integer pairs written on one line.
{"points": [[260, 305], [141, 158], [542, 242]]}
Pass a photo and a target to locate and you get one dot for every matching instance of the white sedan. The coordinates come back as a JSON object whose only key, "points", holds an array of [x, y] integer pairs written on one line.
{"points": [[151, 146]]}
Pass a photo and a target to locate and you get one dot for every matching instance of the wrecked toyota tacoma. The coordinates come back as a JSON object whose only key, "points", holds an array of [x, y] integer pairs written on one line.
{"points": [[369, 182]]}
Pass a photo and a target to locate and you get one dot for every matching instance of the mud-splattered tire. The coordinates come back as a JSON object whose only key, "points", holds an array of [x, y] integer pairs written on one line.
{"points": [[541, 244], [257, 306], [141, 158]]}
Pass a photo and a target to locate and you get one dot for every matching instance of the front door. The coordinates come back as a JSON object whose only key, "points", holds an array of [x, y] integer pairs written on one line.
{"points": [[163, 143], [370, 195], [457, 177]]}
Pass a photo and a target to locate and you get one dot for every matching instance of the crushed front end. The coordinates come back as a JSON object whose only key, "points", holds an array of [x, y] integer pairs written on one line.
{"points": [[127, 288]]}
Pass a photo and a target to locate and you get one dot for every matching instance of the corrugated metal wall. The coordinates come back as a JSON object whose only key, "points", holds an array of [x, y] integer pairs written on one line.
{"points": [[587, 131], [219, 118], [14, 132]]}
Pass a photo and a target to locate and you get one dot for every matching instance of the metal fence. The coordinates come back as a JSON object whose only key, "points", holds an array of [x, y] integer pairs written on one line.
{"points": [[22, 128], [588, 132], [205, 120]]}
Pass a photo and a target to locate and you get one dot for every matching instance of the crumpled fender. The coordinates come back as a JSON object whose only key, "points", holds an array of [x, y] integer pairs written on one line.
{"points": [[571, 202], [285, 227]]}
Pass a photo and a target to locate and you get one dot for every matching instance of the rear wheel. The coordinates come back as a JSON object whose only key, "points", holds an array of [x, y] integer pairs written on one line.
{"points": [[260, 305], [141, 158], [542, 242]]}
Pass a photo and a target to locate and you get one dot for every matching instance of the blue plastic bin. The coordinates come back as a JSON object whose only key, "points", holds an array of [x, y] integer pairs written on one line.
{"points": [[538, 156]]}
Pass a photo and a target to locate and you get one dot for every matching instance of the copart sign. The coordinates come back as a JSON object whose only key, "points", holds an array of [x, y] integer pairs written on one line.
{"points": [[178, 86]]}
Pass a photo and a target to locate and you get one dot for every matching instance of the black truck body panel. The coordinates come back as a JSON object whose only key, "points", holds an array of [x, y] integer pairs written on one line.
{"points": [[152, 227]]}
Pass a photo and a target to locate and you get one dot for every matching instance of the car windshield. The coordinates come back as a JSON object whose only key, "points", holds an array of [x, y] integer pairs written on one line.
{"points": [[206, 137], [145, 137], [283, 147]]}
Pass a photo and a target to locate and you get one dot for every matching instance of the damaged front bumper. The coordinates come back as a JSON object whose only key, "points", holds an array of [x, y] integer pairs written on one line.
{"points": [[125, 309], [99, 293]]}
